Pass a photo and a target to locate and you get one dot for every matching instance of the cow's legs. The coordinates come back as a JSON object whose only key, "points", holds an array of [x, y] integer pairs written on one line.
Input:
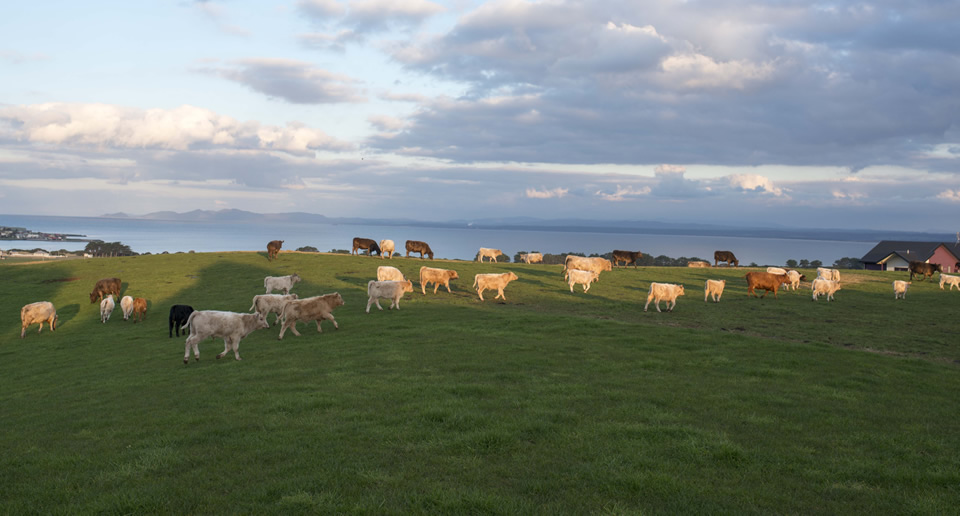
{"points": [[480, 293], [330, 318], [500, 294]]}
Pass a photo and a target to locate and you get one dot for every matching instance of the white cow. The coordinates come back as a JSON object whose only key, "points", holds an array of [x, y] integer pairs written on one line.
{"points": [[776, 270], [795, 278], [584, 278], [826, 287], [946, 279], [900, 289], [493, 281], [392, 290], [387, 247], [126, 304], [106, 307], [714, 289], [529, 258], [266, 304], [489, 253], [663, 291], [387, 273], [828, 274], [39, 312], [595, 264], [284, 283], [230, 326]]}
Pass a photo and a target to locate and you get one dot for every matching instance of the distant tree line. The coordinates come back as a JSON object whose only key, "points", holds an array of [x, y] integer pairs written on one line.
{"points": [[100, 248]]}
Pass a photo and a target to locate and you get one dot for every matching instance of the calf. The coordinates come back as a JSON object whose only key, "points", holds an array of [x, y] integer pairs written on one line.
{"points": [[663, 291], [946, 279], [627, 257], [392, 290], [179, 314], [828, 274], [924, 269], [266, 304], [230, 326], [315, 308], [493, 281], [714, 289], [492, 254], [416, 246], [365, 243], [386, 249], [795, 279], [726, 257], [139, 309], [273, 249], [104, 287], [127, 305], [584, 278], [387, 273], [900, 289], [106, 308], [284, 283], [766, 281], [437, 277], [595, 264], [825, 287], [529, 258], [39, 312]]}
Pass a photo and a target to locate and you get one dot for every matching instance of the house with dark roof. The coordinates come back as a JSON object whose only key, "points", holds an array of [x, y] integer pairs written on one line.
{"points": [[896, 255]]}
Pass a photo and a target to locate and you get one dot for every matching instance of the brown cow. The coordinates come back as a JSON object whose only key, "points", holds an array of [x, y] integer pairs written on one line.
{"points": [[365, 243], [437, 277], [626, 256], [766, 281], [725, 256], [923, 269], [417, 246], [103, 287], [273, 249], [139, 309], [315, 308]]}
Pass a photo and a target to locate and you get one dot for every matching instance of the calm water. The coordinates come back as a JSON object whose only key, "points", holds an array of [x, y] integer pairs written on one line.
{"points": [[157, 236]]}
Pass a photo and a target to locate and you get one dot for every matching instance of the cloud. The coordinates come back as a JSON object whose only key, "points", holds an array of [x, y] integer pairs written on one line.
{"points": [[360, 17], [293, 81], [332, 42], [754, 183], [949, 195], [557, 193], [14, 57], [623, 193], [321, 9]]}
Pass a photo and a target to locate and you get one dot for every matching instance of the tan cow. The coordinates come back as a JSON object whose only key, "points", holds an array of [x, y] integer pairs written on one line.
{"points": [[952, 281], [596, 264], [39, 312], [388, 273], [392, 290], [387, 247], [437, 277], [230, 326], [266, 304], [284, 283], [900, 289], [493, 281], [584, 278], [529, 258], [714, 289], [139, 309], [315, 308], [106, 308], [663, 291], [825, 287], [126, 304], [489, 253]]}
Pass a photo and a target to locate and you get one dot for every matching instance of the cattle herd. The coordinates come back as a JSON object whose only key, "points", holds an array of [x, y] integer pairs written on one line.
{"points": [[391, 284]]}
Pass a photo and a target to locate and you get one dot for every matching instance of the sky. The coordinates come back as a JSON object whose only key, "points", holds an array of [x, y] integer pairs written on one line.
{"points": [[739, 112]]}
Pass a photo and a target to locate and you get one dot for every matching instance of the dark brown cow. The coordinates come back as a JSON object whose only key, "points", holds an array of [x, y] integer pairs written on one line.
{"points": [[766, 281], [273, 249], [626, 256], [365, 243], [104, 287], [417, 246], [924, 269], [725, 256]]}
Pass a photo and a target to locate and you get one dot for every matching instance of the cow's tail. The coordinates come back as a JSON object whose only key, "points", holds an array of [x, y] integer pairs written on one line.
{"points": [[254, 305], [189, 320], [475, 280]]}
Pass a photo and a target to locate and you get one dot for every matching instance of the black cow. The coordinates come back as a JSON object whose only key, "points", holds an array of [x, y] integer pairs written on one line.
{"points": [[725, 256], [416, 246], [627, 257], [924, 269], [365, 243], [178, 317]]}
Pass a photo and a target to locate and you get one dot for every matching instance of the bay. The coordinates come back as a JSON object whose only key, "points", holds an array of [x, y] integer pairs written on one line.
{"points": [[157, 236]]}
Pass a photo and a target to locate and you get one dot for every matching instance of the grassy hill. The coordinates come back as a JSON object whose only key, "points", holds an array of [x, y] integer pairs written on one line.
{"points": [[551, 402]]}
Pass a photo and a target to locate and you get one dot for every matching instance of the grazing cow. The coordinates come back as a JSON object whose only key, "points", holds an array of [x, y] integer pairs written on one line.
{"points": [[437, 277], [597, 265], [725, 256], [230, 326], [493, 281], [946, 279], [900, 289], [926, 270], [828, 274], [106, 308], [392, 290], [416, 246], [627, 257], [104, 287], [127, 305], [713, 289], [273, 249], [489, 253], [666, 292], [825, 287], [179, 314], [39, 312], [365, 243], [698, 264], [766, 281], [315, 308], [585, 278], [284, 283], [776, 270], [266, 304], [795, 279], [139, 309], [529, 258], [387, 273], [387, 249]]}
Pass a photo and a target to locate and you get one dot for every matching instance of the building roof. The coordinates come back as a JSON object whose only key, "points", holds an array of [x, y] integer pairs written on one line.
{"points": [[909, 251]]}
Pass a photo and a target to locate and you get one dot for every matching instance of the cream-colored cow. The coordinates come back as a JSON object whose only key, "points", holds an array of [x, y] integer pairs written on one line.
{"points": [[489, 253], [493, 281], [714, 289]]}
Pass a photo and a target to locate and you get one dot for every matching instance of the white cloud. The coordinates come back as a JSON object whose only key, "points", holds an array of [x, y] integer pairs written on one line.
{"points": [[558, 193], [699, 71], [623, 193], [291, 80], [949, 195], [321, 8], [754, 183]]}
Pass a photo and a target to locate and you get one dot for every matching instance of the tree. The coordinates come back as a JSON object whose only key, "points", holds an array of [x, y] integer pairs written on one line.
{"points": [[804, 264], [308, 249], [101, 248], [816, 263], [848, 263], [792, 263]]}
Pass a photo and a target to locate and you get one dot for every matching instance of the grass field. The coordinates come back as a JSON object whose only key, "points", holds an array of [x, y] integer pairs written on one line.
{"points": [[548, 403]]}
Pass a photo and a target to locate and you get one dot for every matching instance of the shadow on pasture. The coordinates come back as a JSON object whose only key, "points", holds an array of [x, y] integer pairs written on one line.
{"points": [[67, 314]]}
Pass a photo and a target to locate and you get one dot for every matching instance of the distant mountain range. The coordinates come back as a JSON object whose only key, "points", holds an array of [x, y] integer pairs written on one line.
{"points": [[572, 225]]}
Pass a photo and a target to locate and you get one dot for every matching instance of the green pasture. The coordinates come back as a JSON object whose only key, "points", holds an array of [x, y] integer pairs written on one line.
{"points": [[548, 403]]}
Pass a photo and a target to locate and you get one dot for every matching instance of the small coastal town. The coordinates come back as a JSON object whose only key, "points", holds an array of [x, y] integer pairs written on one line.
{"points": [[11, 233]]}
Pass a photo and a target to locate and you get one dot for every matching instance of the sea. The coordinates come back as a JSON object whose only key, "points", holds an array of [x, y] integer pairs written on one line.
{"points": [[158, 236]]}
